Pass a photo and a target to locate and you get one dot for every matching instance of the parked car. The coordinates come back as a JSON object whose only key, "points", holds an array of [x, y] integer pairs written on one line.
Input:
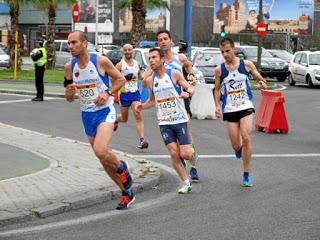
{"points": [[141, 55], [206, 61], [305, 68], [270, 66], [115, 56], [282, 54], [4, 59], [63, 54]]}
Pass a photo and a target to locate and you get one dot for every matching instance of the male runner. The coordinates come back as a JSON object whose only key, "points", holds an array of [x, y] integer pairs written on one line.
{"points": [[232, 87], [165, 86], [178, 62], [88, 74], [129, 95]]}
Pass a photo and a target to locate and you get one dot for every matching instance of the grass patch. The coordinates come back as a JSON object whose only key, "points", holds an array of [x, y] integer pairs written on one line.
{"points": [[50, 76]]}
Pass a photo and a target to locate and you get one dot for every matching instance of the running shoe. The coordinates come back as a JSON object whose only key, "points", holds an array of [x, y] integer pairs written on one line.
{"points": [[194, 174], [126, 200], [238, 153], [125, 176], [115, 126], [144, 144], [247, 181], [185, 188]]}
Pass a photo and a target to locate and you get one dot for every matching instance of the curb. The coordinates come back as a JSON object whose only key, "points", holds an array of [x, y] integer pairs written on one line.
{"points": [[31, 93]]}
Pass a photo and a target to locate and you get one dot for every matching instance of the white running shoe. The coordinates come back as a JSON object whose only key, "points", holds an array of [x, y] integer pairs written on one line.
{"points": [[185, 188]]}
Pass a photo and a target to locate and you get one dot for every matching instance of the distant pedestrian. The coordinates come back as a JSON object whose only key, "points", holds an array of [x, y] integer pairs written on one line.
{"points": [[232, 87], [39, 58], [165, 86], [129, 95], [89, 75]]}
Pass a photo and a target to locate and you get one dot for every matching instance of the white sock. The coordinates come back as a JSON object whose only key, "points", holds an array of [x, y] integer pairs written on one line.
{"points": [[187, 181]]}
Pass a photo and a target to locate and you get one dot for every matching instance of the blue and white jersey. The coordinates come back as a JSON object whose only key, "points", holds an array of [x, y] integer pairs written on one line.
{"points": [[236, 91], [175, 64], [170, 107], [90, 83]]}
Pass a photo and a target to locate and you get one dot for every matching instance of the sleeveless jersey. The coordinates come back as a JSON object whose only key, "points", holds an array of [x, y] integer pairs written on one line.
{"points": [[90, 83], [175, 64], [236, 91], [170, 108], [130, 86]]}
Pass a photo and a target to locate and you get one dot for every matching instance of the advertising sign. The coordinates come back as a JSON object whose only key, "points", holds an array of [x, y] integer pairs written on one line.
{"points": [[240, 16], [96, 16], [156, 19]]}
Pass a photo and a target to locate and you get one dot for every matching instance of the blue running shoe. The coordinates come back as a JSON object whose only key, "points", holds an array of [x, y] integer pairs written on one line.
{"points": [[126, 199], [125, 176], [247, 181], [194, 174], [238, 153]]}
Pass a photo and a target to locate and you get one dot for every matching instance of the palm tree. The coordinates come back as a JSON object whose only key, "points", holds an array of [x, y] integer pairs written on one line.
{"points": [[14, 16], [51, 6], [139, 8]]}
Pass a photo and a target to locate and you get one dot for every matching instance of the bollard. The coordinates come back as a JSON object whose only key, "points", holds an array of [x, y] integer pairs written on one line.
{"points": [[271, 115]]}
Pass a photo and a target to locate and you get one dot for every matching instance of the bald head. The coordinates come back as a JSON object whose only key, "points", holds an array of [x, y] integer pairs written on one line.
{"points": [[127, 51], [77, 43], [82, 36]]}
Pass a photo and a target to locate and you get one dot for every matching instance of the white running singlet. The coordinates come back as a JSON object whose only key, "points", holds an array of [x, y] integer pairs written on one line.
{"points": [[130, 86]]}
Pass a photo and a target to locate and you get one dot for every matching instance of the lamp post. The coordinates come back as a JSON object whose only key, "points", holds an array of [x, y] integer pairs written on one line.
{"points": [[260, 39], [188, 24]]}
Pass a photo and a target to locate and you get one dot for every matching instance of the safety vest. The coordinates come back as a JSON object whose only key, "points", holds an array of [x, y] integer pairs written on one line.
{"points": [[43, 60]]}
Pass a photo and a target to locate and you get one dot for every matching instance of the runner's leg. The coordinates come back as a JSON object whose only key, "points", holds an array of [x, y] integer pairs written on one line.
{"points": [[245, 130]]}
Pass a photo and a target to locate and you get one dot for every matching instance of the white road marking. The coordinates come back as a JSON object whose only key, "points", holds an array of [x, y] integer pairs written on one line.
{"points": [[24, 100], [95, 217], [304, 155]]}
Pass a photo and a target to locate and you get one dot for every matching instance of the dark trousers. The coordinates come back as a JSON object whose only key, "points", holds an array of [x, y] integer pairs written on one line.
{"points": [[39, 72]]}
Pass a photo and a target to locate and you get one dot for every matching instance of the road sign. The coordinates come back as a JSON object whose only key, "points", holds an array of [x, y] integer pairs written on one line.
{"points": [[75, 12], [261, 29]]}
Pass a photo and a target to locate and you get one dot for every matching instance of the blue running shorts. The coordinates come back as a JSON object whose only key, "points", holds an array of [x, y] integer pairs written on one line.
{"points": [[91, 120], [174, 132], [126, 99]]}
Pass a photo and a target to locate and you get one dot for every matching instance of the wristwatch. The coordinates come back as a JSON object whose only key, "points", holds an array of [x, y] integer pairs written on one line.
{"points": [[110, 93]]}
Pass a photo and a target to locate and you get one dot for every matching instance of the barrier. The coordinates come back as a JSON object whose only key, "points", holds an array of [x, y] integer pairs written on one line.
{"points": [[202, 103], [271, 116]]}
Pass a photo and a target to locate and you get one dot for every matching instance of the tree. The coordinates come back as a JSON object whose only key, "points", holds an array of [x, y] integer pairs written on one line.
{"points": [[51, 6], [139, 8], [14, 18]]}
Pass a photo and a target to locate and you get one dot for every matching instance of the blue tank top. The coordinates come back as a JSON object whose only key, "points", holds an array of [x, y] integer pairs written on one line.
{"points": [[175, 64], [90, 83], [236, 91]]}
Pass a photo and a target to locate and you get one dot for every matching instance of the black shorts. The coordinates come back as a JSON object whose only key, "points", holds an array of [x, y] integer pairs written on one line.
{"points": [[187, 106], [236, 116]]}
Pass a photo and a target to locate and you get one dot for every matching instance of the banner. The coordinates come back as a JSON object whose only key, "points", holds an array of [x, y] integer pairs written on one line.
{"points": [[156, 19], [293, 17], [96, 16]]}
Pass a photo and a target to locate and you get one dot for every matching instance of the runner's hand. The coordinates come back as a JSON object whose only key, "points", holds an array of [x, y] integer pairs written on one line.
{"points": [[218, 111], [71, 89], [184, 95], [101, 99], [138, 108], [192, 79], [263, 85]]}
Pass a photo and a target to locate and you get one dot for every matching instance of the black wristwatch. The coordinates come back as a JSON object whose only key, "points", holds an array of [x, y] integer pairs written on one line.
{"points": [[109, 92]]}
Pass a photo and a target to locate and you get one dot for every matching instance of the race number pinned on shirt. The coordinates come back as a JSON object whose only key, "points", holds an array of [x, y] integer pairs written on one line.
{"points": [[237, 97], [167, 106], [131, 86], [87, 94]]}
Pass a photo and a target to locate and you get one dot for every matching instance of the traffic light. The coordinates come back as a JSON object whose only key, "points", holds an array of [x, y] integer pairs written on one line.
{"points": [[223, 33]]}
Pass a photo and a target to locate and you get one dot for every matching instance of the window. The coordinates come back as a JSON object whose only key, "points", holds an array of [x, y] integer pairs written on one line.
{"points": [[297, 58], [57, 45], [64, 47], [303, 59], [138, 57]]}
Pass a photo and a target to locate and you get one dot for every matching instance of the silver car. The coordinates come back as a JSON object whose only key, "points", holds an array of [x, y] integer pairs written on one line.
{"points": [[4, 59]]}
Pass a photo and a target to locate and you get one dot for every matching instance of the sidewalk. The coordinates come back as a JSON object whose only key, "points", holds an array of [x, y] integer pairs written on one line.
{"points": [[74, 179], [28, 88]]}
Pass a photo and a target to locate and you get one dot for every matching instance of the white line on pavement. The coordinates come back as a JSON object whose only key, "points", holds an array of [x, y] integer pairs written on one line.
{"points": [[95, 217], [304, 155], [23, 100]]}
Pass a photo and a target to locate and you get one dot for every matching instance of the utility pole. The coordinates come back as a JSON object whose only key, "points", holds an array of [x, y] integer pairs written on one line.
{"points": [[187, 35], [260, 39]]}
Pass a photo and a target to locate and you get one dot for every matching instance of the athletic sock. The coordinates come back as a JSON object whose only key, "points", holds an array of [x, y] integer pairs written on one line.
{"points": [[246, 174], [141, 139], [186, 181], [121, 168]]}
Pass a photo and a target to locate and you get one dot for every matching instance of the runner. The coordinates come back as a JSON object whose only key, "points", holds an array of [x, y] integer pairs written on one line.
{"points": [[129, 95], [88, 74], [165, 86], [178, 62], [232, 86]]}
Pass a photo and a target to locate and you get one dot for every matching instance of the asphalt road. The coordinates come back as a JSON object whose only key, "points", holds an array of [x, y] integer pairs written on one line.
{"points": [[283, 204]]}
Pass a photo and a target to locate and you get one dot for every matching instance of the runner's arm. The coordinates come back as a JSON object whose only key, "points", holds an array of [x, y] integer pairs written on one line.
{"points": [[187, 65], [256, 75], [70, 91], [180, 80], [115, 75], [147, 74], [217, 90], [151, 101]]}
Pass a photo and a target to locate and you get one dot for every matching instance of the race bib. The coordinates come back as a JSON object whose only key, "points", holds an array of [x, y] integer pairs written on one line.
{"points": [[167, 106], [87, 94], [131, 86], [237, 97]]}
